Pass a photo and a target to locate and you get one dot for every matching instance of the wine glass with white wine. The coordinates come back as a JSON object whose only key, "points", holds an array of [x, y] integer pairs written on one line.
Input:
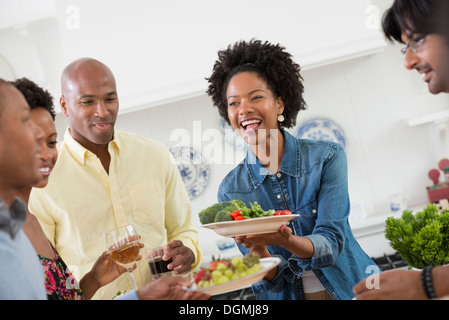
{"points": [[124, 244]]}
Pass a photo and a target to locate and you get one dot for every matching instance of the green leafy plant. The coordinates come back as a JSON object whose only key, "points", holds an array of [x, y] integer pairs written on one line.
{"points": [[421, 239]]}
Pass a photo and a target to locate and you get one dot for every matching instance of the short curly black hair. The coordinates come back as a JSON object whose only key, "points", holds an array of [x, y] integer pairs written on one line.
{"points": [[272, 63], [36, 96]]}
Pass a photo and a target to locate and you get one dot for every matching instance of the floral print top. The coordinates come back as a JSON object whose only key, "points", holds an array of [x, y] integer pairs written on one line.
{"points": [[60, 283]]}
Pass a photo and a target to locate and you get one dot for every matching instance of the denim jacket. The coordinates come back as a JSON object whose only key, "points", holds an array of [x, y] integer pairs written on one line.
{"points": [[312, 182]]}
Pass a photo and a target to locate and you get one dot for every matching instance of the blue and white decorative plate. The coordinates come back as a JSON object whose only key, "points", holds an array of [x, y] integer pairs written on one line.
{"points": [[231, 137], [322, 129], [195, 171]]}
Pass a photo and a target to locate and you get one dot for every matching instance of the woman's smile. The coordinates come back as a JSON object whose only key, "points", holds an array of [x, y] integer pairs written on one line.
{"points": [[250, 125]]}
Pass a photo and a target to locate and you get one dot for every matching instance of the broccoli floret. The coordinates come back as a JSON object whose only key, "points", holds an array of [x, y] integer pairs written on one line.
{"points": [[223, 215], [239, 204], [208, 215]]}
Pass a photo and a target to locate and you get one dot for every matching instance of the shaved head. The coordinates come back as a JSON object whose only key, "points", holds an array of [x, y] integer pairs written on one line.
{"points": [[78, 70]]}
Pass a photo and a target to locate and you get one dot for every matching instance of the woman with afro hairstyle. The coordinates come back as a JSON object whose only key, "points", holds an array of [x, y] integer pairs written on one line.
{"points": [[258, 90]]}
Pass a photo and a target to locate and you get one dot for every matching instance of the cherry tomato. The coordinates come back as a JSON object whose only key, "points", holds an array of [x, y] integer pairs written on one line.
{"points": [[282, 213], [235, 213]]}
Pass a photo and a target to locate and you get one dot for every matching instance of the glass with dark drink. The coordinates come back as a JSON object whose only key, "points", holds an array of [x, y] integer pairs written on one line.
{"points": [[158, 267]]}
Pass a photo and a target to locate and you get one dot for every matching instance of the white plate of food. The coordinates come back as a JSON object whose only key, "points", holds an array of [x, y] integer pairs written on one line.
{"points": [[266, 265], [249, 227]]}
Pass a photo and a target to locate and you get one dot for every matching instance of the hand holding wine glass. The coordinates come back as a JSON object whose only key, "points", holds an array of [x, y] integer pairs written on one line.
{"points": [[123, 242]]}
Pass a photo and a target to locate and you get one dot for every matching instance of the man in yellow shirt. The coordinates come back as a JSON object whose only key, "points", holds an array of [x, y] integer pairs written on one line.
{"points": [[105, 178]]}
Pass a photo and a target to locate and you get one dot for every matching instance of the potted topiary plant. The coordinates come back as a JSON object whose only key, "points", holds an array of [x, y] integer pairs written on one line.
{"points": [[422, 239]]}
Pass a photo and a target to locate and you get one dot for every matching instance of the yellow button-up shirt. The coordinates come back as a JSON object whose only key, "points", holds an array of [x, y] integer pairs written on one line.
{"points": [[81, 202]]}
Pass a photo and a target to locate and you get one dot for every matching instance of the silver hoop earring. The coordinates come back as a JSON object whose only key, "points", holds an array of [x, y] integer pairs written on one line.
{"points": [[281, 118]]}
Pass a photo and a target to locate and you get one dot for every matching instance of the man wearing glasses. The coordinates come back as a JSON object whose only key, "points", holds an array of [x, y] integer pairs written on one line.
{"points": [[423, 25]]}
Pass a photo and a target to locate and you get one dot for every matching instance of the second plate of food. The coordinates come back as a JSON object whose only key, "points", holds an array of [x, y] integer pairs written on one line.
{"points": [[266, 265]]}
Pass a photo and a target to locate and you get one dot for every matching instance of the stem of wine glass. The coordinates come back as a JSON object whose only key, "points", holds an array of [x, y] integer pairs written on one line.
{"points": [[130, 270]]}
